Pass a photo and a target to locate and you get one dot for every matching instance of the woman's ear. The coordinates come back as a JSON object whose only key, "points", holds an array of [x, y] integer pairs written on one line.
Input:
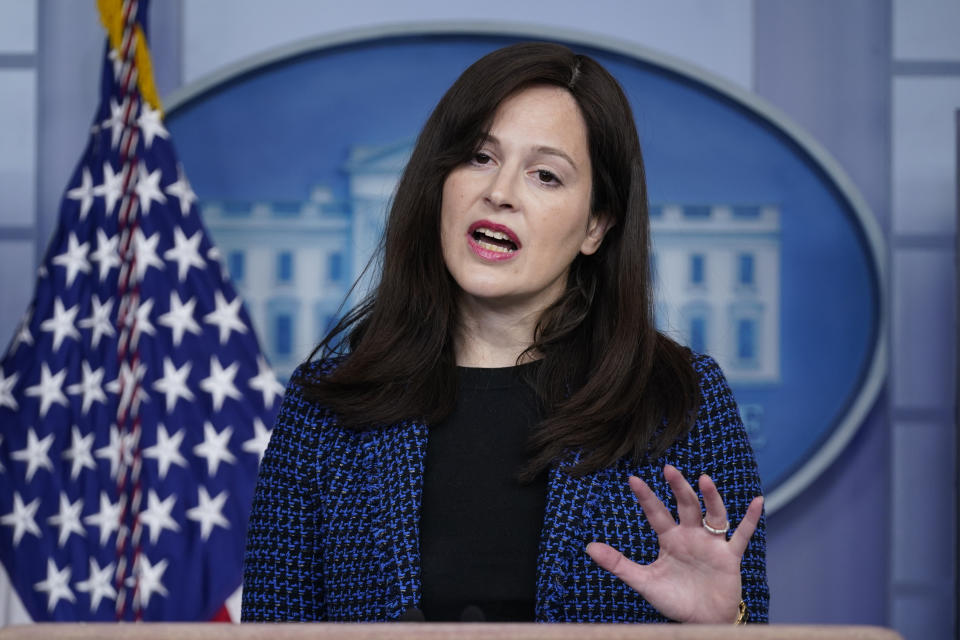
{"points": [[597, 227]]}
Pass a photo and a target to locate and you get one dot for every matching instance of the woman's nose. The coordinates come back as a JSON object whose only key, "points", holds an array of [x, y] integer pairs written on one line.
{"points": [[501, 192]]}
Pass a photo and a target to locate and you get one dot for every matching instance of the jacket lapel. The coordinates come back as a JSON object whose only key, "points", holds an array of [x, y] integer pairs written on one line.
{"points": [[399, 486], [570, 502]]}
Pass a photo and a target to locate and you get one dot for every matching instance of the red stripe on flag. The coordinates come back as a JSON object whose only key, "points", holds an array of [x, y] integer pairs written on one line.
{"points": [[222, 615]]}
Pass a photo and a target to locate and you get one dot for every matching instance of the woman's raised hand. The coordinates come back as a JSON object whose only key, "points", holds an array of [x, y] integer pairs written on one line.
{"points": [[696, 576]]}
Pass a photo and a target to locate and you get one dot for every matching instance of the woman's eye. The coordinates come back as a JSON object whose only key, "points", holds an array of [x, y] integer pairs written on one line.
{"points": [[480, 158], [547, 177]]}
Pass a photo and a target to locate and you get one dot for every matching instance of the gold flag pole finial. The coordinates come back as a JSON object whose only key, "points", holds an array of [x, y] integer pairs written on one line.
{"points": [[112, 15]]}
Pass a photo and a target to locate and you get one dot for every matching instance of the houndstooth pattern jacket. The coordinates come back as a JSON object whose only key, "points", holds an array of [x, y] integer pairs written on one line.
{"points": [[334, 530]]}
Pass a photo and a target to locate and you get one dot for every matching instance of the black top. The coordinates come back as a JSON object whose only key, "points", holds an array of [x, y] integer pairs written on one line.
{"points": [[480, 527]]}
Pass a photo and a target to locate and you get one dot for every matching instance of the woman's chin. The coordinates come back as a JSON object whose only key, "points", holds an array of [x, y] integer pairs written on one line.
{"points": [[507, 298]]}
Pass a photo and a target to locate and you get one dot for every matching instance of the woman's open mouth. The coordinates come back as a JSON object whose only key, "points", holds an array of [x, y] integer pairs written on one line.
{"points": [[492, 241]]}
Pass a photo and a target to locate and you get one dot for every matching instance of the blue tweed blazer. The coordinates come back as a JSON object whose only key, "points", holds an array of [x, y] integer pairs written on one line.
{"points": [[334, 530]]}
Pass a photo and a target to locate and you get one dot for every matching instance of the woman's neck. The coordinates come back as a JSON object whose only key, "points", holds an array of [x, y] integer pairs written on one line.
{"points": [[492, 337]]}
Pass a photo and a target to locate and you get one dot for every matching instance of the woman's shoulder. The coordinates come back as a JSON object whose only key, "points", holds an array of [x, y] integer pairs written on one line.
{"points": [[680, 360], [306, 429], [718, 408], [711, 377], [299, 406], [716, 442], [315, 368], [308, 372]]}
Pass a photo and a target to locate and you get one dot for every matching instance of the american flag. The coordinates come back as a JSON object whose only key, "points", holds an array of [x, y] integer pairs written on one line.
{"points": [[134, 402]]}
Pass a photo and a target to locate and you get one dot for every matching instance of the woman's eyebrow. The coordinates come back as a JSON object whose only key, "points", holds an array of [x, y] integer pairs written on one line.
{"points": [[489, 138], [553, 151], [543, 149]]}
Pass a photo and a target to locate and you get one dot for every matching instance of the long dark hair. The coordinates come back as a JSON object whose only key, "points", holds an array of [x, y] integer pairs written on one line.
{"points": [[611, 385]]}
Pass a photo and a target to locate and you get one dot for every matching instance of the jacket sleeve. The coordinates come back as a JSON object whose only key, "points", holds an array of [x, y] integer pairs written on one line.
{"points": [[728, 459], [283, 563]]}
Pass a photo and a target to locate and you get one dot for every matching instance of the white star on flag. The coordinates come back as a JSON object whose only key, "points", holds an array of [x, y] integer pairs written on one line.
{"points": [[111, 189], [35, 454], [185, 252], [68, 519], [49, 389], [180, 318], [266, 382], [146, 250], [148, 579], [148, 188], [261, 438], [61, 324], [83, 192], [99, 584], [74, 259], [151, 125], [115, 62], [128, 385], [23, 335], [226, 316], [7, 383], [214, 256], [106, 254], [208, 512], [115, 121], [214, 447], [173, 384], [107, 519], [157, 516], [220, 383], [182, 191], [55, 585], [91, 387], [99, 320], [120, 450], [143, 324], [22, 518], [166, 451], [79, 453]]}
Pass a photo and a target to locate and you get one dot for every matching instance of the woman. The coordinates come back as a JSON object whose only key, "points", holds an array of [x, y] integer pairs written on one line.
{"points": [[494, 433]]}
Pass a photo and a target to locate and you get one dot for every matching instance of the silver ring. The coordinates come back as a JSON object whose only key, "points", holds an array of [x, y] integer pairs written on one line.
{"points": [[722, 531]]}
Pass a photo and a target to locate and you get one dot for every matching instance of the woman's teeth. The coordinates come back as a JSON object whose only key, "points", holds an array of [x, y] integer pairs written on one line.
{"points": [[497, 235], [494, 240], [494, 247]]}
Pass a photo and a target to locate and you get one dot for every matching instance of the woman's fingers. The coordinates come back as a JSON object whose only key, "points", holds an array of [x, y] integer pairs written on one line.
{"points": [[716, 515], [747, 526], [688, 504], [657, 514], [618, 564], [688, 508]]}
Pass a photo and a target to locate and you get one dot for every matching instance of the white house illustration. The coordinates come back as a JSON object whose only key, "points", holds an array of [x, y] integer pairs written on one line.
{"points": [[295, 263], [716, 266], [717, 271]]}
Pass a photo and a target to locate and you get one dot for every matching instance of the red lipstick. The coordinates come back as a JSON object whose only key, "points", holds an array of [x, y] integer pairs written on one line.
{"points": [[492, 242]]}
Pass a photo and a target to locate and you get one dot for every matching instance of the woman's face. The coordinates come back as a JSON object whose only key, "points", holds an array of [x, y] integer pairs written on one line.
{"points": [[515, 216]]}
